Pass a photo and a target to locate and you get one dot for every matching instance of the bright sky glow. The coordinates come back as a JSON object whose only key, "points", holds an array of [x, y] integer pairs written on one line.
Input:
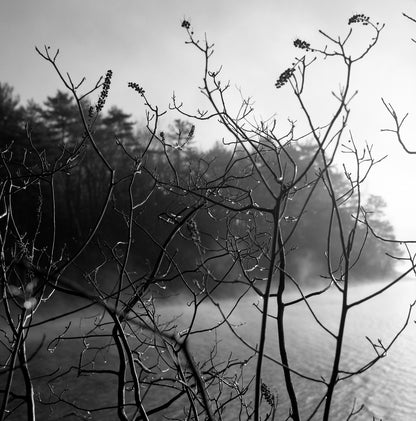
{"points": [[142, 41]]}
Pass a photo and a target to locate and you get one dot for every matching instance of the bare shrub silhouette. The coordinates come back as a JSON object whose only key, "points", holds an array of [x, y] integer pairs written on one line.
{"points": [[220, 224]]}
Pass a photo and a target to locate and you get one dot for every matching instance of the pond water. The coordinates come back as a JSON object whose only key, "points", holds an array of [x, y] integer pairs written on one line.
{"points": [[387, 390]]}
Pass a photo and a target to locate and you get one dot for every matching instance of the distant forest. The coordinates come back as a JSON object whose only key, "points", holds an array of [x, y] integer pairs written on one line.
{"points": [[43, 137]]}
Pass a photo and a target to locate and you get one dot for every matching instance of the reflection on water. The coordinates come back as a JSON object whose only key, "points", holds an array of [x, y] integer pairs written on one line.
{"points": [[387, 390]]}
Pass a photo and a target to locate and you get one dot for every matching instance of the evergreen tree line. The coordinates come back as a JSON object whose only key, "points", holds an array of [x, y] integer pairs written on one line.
{"points": [[47, 139]]}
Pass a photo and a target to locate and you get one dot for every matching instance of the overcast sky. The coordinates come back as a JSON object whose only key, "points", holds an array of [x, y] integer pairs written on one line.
{"points": [[142, 41]]}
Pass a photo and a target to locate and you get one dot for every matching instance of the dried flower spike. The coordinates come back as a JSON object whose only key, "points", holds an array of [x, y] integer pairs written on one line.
{"points": [[104, 91], [298, 43], [359, 18], [136, 87], [284, 77], [268, 395], [186, 24]]}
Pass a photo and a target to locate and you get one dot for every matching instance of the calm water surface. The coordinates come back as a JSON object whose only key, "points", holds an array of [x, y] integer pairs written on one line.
{"points": [[387, 390]]}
